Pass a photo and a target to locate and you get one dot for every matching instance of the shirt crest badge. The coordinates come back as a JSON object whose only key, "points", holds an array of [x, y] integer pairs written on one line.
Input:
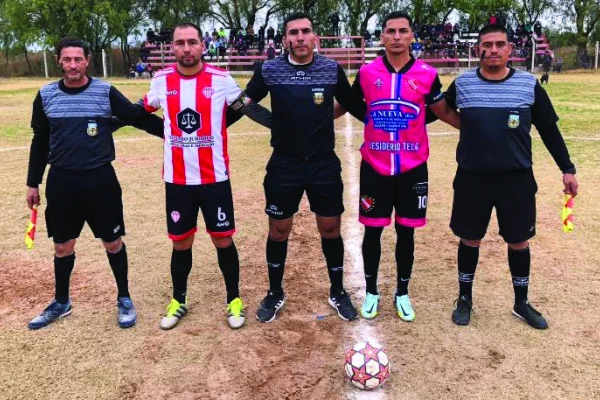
{"points": [[92, 128], [378, 83], [513, 121], [318, 98], [208, 92], [413, 85]]}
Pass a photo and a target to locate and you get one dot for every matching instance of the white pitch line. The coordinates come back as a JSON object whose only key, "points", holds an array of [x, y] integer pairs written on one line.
{"points": [[13, 148], [352, 244]]}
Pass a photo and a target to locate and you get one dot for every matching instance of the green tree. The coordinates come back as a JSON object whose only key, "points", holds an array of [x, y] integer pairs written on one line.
{"points": [[560, 38], [479, 11], [19, 34], [242, 13], [585, 15], [422, 11], [170, 12], [358, 14], [98, 22], [6, 36], [126, 17], [432, 11], [529, 11], [319, 10], [53, 20]]}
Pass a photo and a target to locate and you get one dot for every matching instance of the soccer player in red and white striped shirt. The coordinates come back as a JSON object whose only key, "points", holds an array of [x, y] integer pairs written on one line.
{"points": [[195, 98]]}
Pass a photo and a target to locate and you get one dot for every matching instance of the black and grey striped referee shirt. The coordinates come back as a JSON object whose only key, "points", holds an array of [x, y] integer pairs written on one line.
{"points": [[496, 119]]}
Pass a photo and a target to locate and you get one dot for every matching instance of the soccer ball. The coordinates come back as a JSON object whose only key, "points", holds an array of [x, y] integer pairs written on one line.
{"points": [[367, 365]]}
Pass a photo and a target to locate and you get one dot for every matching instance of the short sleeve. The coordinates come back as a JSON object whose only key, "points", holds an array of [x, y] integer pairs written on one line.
{"points": [[435, 94], [450, 95], [151, 99], [257, 89], [356, 86], [347, 97], [542, 111], [232, 90]]}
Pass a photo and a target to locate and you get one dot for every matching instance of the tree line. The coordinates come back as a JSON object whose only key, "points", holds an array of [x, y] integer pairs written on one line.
{"points": [[112, 23]]}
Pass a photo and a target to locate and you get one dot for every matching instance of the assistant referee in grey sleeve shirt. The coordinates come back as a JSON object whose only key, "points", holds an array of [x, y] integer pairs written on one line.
{"points": [[497, 106], [73, 122]]}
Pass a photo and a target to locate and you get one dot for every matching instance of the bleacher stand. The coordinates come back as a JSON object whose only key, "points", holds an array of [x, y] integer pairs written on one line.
{"points": [[440, 44]]}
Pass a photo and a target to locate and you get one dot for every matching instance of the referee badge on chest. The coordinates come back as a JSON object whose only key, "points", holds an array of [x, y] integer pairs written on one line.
{"points": [[92, 128], [318, 98], [513, 121]]}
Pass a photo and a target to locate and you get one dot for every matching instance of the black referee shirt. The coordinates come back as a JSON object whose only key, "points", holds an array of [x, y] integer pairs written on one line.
{"points": [[496, 118], [73, 127], [302, 104]]}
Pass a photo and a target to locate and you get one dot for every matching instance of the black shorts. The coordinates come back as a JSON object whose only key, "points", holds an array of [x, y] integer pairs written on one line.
{"points": [[380, 194], [183, 202], [513, 195], [287, 179], [75, 198]]}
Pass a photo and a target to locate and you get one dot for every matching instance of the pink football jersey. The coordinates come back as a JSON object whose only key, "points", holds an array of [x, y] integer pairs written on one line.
{"points": [[395, 131]]}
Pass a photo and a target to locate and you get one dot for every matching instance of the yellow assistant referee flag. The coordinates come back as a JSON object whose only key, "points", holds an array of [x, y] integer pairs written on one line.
{"points": [[30, 232], [567, 213]]}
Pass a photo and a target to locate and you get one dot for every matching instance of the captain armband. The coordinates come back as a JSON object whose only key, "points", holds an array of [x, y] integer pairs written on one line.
{"points": [[241, 102]]}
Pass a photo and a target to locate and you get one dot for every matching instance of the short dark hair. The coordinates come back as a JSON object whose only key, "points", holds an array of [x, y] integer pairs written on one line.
{"points": [[397, 15], [186, 25], [491, 28], [293, 17], [71, 41]]}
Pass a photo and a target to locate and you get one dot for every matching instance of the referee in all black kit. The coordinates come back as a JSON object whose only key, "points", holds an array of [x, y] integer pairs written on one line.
{"points": [[497, 106], [72, 125], [303, 86]]}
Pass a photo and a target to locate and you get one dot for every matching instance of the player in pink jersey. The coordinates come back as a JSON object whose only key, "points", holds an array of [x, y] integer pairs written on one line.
{"points": [[197, 100], [397, 90]]}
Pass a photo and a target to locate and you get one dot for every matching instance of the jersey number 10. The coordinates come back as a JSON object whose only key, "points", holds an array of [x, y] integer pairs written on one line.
{"points": [[422, 202]]}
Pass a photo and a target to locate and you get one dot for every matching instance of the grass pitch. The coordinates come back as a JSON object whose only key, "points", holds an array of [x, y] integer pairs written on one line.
{"points": [[300, 356]]}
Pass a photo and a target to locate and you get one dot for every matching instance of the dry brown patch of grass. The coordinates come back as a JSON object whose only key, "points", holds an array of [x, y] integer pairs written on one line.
{"points": [[299, 356]]}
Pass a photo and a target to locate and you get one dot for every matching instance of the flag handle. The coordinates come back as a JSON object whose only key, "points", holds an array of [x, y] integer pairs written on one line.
{"points": [[31, 225]]}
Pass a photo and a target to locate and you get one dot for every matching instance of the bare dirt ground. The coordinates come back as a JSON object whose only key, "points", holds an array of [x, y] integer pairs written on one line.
{"points": [[299, 356]]}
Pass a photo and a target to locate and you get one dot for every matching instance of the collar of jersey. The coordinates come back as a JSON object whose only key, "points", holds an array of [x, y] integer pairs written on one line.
{"points": [[190, 76], [507, 77], [74, 90], [403, 70], [287, 60]]}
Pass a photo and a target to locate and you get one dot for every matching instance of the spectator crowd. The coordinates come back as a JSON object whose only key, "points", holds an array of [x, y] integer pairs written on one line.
{"points": [[441, 40]]}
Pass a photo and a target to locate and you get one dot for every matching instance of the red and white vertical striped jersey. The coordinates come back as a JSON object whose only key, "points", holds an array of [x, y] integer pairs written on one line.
{"points": [[194, 107]]}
